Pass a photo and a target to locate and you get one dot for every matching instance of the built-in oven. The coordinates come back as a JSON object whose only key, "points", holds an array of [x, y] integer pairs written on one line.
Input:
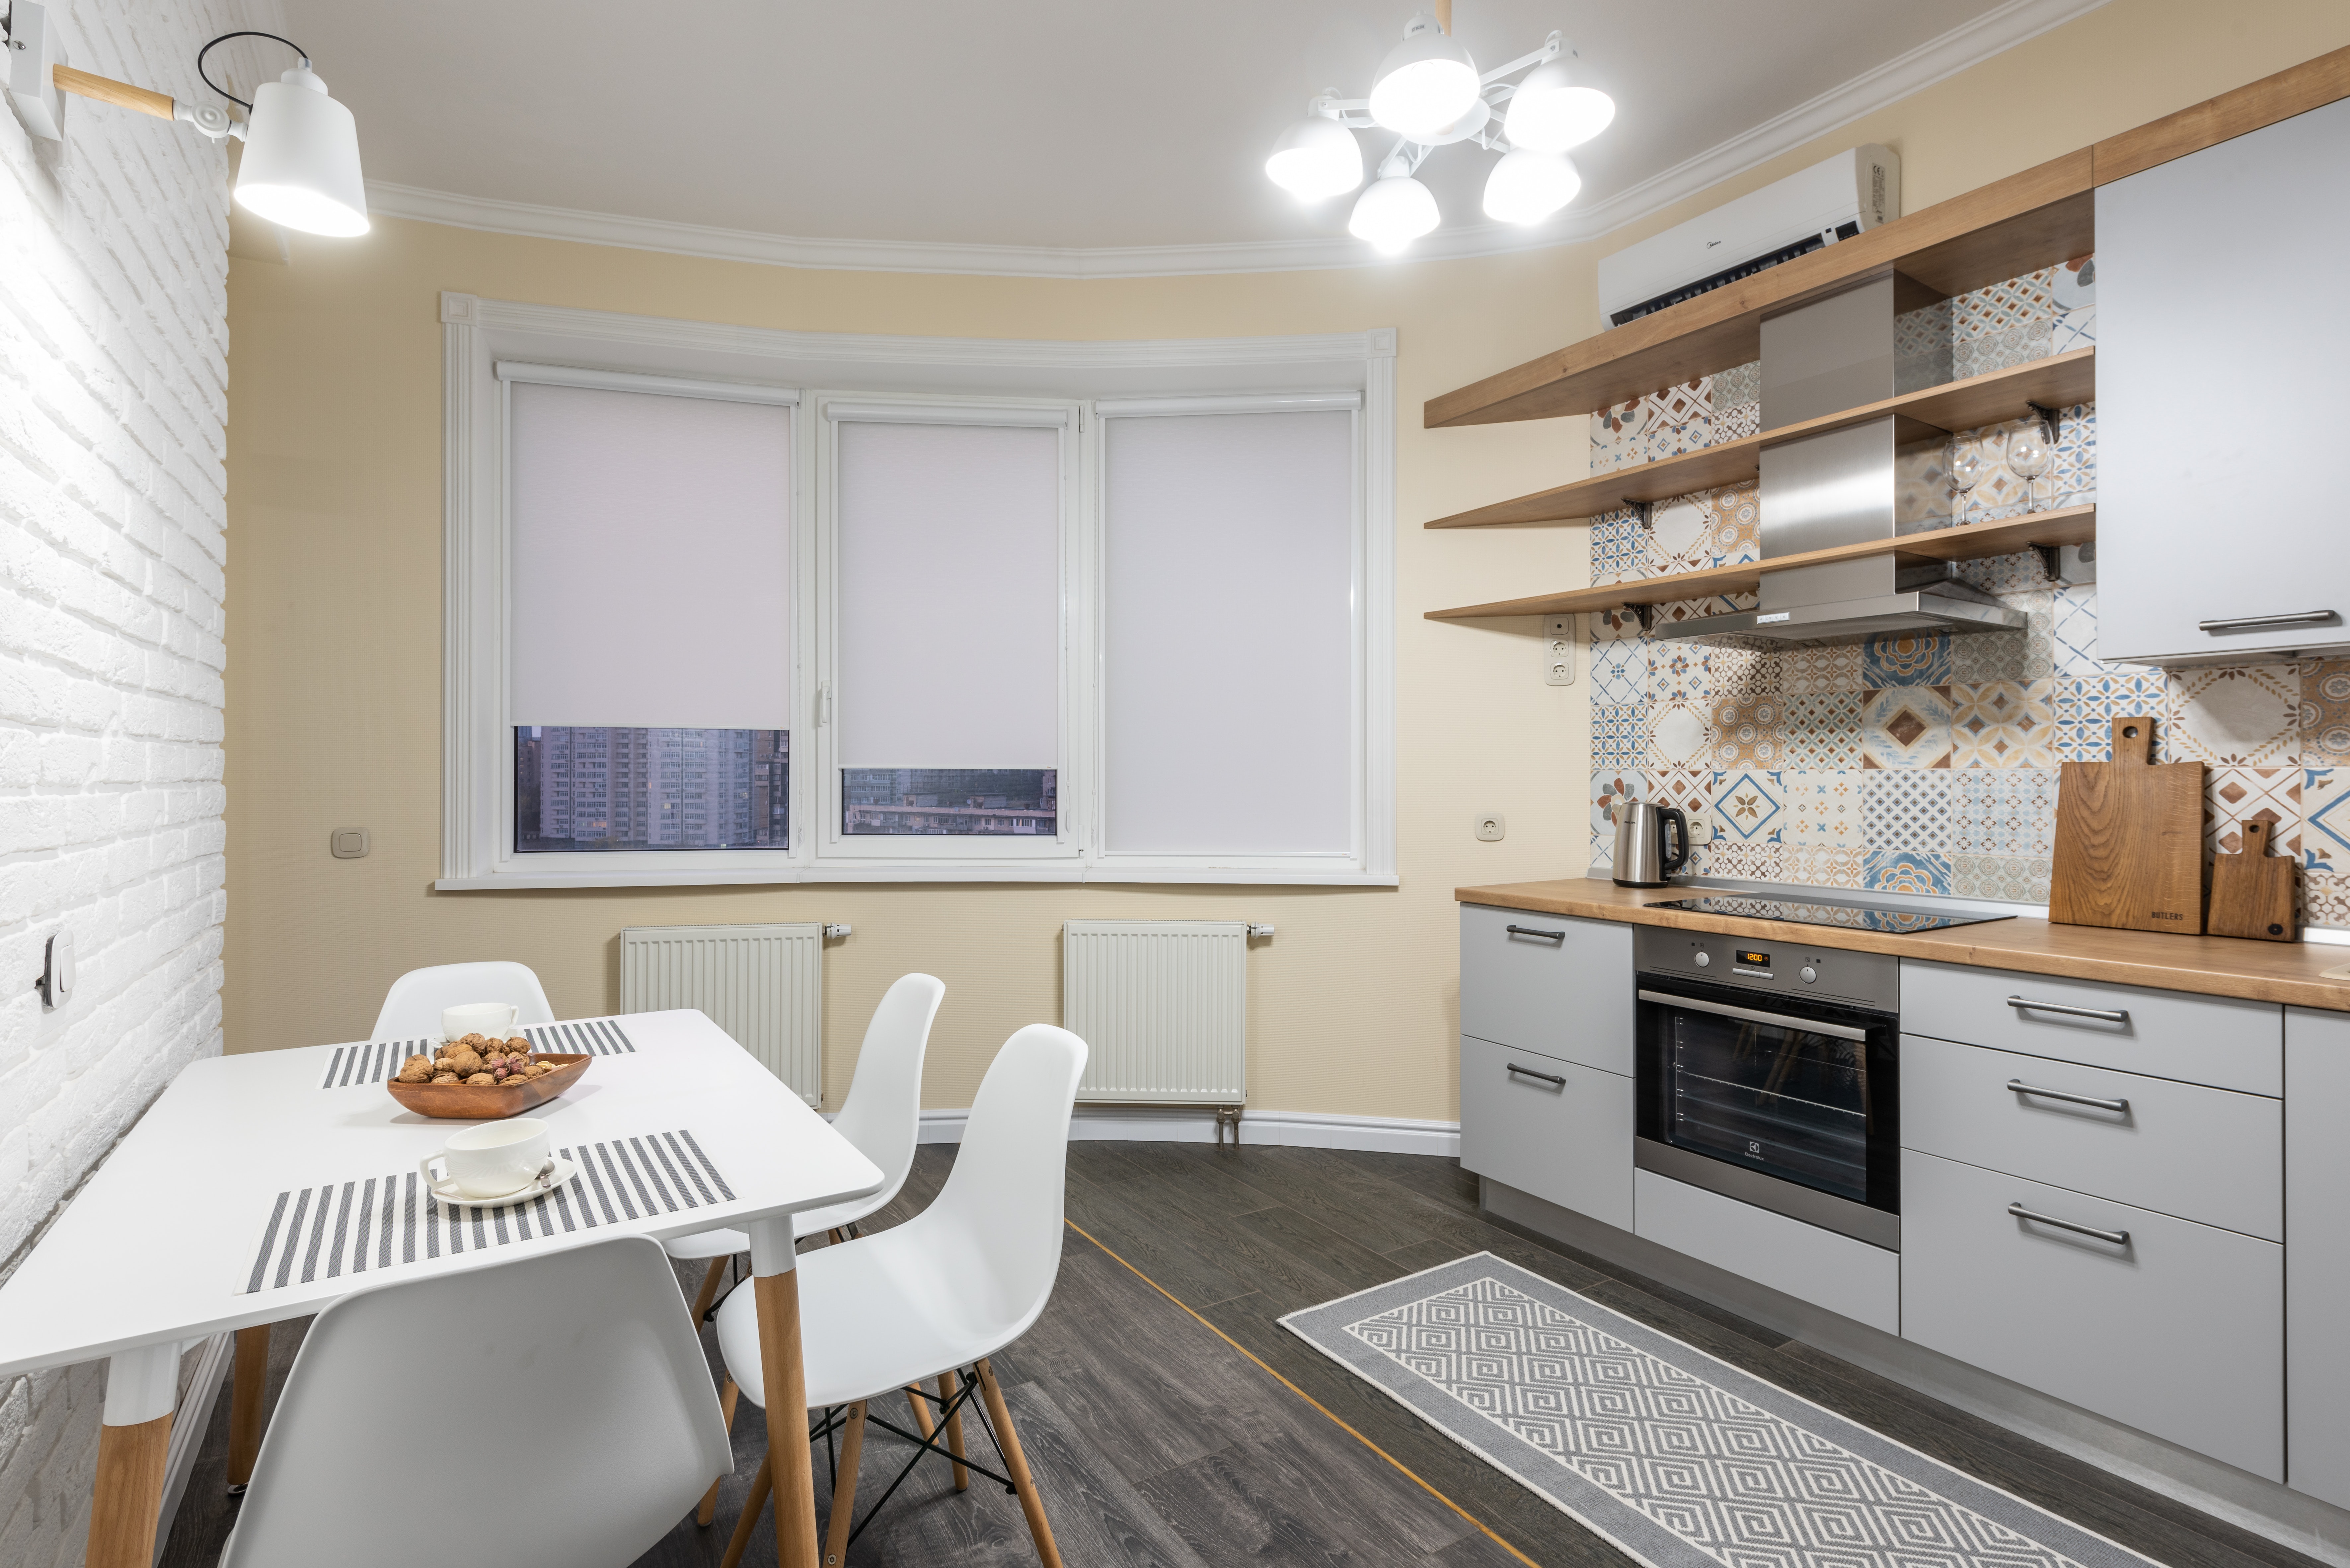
{"points": [[1769, 1072]]}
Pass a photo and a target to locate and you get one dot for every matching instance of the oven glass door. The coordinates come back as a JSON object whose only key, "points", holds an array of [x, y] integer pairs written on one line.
{"points": [[1799, 1090]]}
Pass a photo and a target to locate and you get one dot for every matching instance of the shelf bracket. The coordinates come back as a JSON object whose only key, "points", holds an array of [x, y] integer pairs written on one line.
{"points": [[1648, 616], [1643, 512], [2048, 422], [2052, 557]]}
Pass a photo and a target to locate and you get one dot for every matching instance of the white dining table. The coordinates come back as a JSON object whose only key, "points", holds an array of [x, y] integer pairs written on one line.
{"points": [[165, 1244]]}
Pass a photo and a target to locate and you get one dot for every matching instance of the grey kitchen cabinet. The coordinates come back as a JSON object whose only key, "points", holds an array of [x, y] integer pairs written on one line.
{"points": [[1548, 984], [2317, 1245], [2206, 551], [1557, 1129], [2175, 1329]]}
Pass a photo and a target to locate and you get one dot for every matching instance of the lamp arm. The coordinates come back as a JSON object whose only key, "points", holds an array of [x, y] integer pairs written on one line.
{"points": [[1552, 46], [106, 89]]}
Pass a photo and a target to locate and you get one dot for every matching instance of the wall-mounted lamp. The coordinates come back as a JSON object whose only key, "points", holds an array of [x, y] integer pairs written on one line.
{"points": [[301, 164]]}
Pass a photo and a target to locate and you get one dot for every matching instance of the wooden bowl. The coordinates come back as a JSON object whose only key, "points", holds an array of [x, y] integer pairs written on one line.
{"points": [[482, 1103]]}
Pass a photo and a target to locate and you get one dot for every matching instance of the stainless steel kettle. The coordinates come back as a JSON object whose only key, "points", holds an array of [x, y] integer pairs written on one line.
{"points": [[1642, 859]]}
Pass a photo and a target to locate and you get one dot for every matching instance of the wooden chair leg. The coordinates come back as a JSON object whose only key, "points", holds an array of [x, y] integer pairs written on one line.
{"points": [[246, 1386], [921, 1409], [833, 1237], [726, 1397], [1017, 1463], [844, 1488], [753, 1506], [948, 1385], [710, 1277]]}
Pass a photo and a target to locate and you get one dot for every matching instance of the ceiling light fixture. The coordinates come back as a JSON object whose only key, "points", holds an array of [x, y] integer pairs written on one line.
{"points": [[1429, 92], [301, 164]]}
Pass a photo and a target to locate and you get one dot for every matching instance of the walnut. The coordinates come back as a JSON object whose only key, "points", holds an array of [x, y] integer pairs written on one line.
{"points": [[445, 1078], [475, 1039], [417, 1071], [464, 1064], [482, 1080], [518, 1042]]}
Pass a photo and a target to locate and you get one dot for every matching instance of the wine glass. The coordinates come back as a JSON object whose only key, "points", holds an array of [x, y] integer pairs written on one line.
{"points": [[2028, 456], [1967, 470]]}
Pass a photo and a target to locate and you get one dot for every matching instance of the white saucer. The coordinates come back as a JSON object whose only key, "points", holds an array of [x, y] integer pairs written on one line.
{"points": [[564, 1172]]}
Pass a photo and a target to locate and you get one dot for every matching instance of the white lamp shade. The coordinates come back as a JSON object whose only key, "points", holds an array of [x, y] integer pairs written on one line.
{"points": [[301, 164], [1550, 114], [1315, 160], [1426, 83], [1395, 210], [1527, 187]]}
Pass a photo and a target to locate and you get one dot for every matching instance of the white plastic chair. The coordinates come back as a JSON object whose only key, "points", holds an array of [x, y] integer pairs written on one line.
{"points": [[940, 1293], [411, 1008], [553, 1412]]}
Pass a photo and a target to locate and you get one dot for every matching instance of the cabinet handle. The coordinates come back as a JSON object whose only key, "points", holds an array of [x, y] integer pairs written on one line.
{"points": [[2263, 622], [2103, 1015], [2017, 1085], [1546, 1077], [1530, 931], [2118, 1238]]}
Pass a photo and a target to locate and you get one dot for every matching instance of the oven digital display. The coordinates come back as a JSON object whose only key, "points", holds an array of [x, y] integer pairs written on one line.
{"points": [[1748, 959]]}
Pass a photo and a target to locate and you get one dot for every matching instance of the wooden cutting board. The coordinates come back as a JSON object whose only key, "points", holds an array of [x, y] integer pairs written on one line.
{"points": [[2129, 839], [2251, 893]]}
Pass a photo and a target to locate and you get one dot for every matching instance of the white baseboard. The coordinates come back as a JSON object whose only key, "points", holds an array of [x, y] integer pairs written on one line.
{"points": [[1185, 1124]]}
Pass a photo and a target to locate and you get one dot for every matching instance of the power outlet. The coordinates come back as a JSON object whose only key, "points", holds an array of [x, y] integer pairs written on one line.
{"points": [[1490, 828], [1558, 650]]}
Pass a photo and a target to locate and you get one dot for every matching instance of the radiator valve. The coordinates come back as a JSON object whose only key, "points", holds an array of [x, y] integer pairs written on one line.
{"points": [[834, 933], [1257, 931]]}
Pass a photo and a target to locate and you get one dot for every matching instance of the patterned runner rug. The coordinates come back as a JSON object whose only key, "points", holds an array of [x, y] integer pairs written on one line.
{"points": [[1678, 1459]]}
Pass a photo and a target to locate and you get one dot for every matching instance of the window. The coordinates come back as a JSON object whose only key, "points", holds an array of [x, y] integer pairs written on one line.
{"points": [[1056, 630]]}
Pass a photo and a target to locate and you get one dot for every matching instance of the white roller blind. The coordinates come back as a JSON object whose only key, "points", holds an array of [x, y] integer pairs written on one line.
{"points": [[949, 596], [650, 556], [1230, 623]]}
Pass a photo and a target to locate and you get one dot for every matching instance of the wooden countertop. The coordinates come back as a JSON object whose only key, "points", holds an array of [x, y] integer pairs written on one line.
{"points": [[2215, 966]]}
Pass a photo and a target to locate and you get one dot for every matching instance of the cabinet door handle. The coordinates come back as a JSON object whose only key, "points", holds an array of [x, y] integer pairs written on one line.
{"points": [[2103, 1015], [2017, 1085], [1546, 1077], [1531, 932], [2263, 622], [2118, 1238]]}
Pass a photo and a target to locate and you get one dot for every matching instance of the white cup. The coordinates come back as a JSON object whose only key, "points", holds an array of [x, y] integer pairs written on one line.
{"points": [[492, 1159], [494, 1018]]}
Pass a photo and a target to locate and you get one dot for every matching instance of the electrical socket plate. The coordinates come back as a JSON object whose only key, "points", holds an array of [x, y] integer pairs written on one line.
{"points": [[1491, 828], [1558, 650]]}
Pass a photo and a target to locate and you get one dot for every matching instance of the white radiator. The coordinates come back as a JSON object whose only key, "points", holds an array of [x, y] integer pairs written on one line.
{"points": [[762, 984], [1163, 1006]]}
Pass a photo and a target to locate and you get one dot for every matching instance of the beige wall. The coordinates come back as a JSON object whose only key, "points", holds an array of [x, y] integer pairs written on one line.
{"points": [[335, 601]]}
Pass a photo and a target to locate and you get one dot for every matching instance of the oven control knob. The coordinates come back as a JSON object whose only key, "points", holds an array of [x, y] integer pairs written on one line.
{"points": [[1703, 958], [1811, 975]]}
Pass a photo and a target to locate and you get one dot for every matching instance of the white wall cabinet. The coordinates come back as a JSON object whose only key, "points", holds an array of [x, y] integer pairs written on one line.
{"points": [[1548, 984], [2204, 507], [2318, 1242]]}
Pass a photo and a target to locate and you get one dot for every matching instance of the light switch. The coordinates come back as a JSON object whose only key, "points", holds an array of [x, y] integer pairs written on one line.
{"points": [[349, 843]]}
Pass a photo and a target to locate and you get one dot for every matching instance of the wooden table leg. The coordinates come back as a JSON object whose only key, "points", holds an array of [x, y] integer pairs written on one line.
{"points": [[775, 1283], [246, 1386], [134, 1439]]}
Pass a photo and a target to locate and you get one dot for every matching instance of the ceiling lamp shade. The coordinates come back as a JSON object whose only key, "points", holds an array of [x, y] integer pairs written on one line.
{"points": [[1395, 210], [301, 165], [1550, 114], [1426, 83], [1525, 187], [1315, 160]]}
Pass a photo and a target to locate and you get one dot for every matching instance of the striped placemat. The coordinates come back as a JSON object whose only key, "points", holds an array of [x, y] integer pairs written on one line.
{"points": [[377, 1060], [370, 1224]]}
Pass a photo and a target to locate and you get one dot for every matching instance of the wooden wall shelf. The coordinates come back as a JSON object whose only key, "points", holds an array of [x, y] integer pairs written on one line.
{"points": [[1974, 542], [2057, 382], [2034, 219]]}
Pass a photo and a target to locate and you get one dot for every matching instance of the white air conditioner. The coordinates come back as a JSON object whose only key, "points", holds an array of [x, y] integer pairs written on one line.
{"points": [[1845, 195]]}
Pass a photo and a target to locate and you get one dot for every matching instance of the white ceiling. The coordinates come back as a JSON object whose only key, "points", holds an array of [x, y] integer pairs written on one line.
{"points": [[1066, 128]]}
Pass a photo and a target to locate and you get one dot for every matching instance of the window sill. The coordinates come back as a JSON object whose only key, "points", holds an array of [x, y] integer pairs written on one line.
{"points": [[973, 872]]}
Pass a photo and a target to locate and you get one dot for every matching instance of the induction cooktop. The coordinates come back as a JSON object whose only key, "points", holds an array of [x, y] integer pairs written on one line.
{"points": [[1855, 917]]}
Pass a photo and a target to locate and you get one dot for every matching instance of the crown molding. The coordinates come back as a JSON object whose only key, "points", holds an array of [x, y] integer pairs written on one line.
{"points": [[1991, 34]]}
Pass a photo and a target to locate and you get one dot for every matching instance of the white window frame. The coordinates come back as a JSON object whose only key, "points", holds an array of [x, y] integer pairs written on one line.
{"points": [[924, 380]]}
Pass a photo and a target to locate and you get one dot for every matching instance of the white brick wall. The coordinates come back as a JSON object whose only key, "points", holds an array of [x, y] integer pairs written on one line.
{"points": [[113, 395]]}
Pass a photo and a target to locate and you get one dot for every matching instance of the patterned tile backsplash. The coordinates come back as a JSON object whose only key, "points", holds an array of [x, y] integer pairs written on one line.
{"points": [[1928, 764]]}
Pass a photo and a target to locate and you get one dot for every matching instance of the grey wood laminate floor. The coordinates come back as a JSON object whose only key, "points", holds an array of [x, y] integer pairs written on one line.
{"points": [[1158, 1444]]}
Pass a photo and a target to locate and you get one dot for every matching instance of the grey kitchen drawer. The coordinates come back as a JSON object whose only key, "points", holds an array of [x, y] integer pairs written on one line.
{"points": [[2178, 1332], [1556, 1129], [1558, 987], [2208, 1154], [1861, 1281], [2214, 1040]]}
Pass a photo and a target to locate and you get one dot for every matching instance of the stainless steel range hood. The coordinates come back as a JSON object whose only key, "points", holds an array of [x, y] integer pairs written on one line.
{"points": [[1868, 482]]}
